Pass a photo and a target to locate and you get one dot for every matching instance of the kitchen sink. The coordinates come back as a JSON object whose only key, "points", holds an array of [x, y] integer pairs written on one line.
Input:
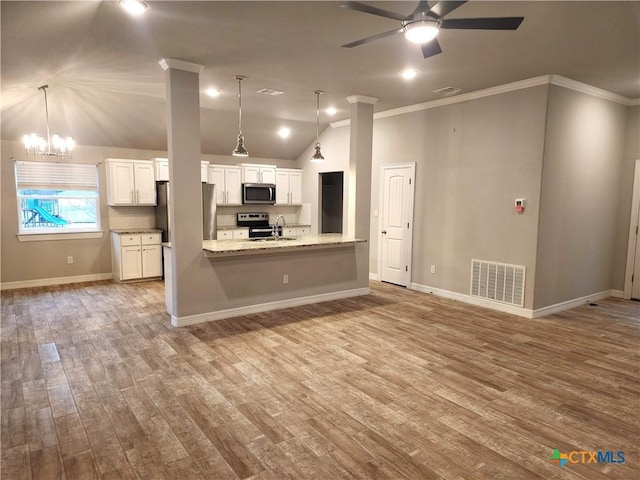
{"points": [[270, 239]]}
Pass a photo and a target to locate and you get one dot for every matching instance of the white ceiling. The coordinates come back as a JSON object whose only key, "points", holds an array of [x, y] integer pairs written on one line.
{"points": [[106, 87]]}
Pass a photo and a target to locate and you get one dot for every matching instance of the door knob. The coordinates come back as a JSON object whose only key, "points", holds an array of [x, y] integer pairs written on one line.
{"points": [[384, 232]]}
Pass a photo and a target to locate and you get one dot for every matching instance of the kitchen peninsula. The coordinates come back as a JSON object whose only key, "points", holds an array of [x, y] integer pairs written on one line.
{"points": [[250, 276]]}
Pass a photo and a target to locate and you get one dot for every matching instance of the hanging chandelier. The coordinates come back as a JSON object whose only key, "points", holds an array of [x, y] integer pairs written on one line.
{"points": [[55, 146], [317, 157], [240, 151]]}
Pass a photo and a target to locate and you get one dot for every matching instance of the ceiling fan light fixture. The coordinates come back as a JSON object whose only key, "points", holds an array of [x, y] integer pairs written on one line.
{"points": [[421, 31], [134, 7]]}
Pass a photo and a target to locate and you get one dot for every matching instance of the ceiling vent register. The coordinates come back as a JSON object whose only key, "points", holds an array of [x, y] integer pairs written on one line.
{"points": [[499, 282]]}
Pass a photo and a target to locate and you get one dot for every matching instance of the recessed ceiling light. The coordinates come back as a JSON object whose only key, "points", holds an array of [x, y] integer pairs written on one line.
{"points": [[331, 111], [284, 132], [134, 7], [409, 73], [212, 92]]}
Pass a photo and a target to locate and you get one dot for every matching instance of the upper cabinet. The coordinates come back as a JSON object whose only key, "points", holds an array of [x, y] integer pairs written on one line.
{"points": [[228, 182], [288, 186], [254, 173], [162, 170], [130, 182]]}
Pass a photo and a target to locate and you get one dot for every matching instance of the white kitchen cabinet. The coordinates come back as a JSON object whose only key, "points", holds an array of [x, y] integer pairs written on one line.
{"points": [[288, 186], [162, 170], [130, 182], [253, 173], [136, 256], [233, 234], [161, 166], [295, 231], [228, 182], [204, 171]]}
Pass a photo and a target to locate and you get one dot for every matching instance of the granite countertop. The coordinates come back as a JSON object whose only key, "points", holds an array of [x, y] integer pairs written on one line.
{"points": [[132, 231], [235, 227], [231, 227], [222, 248]]}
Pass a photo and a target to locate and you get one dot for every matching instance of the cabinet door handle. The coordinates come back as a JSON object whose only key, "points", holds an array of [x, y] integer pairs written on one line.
{"points": [[131, 196]]}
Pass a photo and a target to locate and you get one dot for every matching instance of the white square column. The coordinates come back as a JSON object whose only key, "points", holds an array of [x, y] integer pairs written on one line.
{"points": [[185, 192]]}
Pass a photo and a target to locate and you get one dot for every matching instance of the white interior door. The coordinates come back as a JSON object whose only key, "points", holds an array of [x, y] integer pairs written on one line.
{"points": [[632, 274], [396, 224], [635, 284]]}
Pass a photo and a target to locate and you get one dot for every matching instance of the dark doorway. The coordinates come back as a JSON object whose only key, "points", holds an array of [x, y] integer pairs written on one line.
{"points": [[331, 185]]}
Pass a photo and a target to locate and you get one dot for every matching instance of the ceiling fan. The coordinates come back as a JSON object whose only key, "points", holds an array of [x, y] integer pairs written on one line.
{"points": [[423, 24]]}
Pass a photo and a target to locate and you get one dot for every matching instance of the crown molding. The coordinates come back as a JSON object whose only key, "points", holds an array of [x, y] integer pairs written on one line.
{"points": [[500, 89], [588, 89], [634, 102], [362, 99], [167, 63]]}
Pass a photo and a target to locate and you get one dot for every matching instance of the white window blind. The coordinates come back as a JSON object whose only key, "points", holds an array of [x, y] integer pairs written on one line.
{"points": [[64, 176]]}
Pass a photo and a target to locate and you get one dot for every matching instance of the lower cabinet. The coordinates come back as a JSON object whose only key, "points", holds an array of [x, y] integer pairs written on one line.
{"points": [[237, 234], [136, 256], [295, 231]]}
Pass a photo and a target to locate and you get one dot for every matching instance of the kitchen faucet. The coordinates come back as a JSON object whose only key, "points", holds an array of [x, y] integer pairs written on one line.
{"points": [[276, 232]]}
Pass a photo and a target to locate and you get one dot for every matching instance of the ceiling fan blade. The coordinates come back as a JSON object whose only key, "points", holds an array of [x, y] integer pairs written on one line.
{"points": [[372, 38], [500, 23], [431, 48], [441, 9], [363, 7]]}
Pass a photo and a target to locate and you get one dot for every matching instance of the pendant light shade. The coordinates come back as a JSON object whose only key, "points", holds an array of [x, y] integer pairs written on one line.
{"points": [[240, 151], [317, 157]]}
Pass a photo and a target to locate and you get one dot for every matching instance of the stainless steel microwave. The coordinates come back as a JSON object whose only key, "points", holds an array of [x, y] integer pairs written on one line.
{"points": [[259, 193]]}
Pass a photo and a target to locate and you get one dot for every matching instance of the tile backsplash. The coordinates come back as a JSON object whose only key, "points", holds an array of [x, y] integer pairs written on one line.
{"points": [[132, 217]]}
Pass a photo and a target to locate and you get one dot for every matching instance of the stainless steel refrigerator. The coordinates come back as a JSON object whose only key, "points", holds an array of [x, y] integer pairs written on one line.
{"points": [[209, 225]]}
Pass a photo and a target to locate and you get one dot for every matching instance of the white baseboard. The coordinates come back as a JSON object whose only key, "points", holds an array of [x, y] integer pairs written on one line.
{"points": [[374, 276], [521, 312], [265, 307], [479, 302], [576, 302], [44, 282]]}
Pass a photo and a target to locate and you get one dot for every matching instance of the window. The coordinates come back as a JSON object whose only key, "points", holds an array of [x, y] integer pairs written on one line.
{"points": [[57, 197]]}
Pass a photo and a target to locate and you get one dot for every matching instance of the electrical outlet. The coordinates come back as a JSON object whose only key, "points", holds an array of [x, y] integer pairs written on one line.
{"points": [[433, 269], [69, 260], [285, 279]]}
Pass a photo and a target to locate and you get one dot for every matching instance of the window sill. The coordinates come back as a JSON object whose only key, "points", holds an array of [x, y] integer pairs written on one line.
{"points": [[42, 237]]}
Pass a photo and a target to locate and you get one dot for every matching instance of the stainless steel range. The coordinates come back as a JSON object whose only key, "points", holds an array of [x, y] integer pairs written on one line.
{"points": [[258, 224]]}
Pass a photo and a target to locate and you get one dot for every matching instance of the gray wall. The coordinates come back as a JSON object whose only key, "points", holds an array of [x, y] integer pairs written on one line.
{"points": [[631, 154], [473, 159], [582, 173], [22, 261]]}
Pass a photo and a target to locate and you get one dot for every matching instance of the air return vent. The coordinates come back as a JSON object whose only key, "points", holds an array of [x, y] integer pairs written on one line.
{"points": [[499, 282], [270, 91], [447, 91]]}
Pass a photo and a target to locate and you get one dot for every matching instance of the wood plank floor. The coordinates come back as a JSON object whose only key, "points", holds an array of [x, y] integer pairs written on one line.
{"points": [[396, 384]]}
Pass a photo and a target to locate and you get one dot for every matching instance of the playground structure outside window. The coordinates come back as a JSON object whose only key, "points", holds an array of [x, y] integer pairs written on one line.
{"points": [[57, 198]]}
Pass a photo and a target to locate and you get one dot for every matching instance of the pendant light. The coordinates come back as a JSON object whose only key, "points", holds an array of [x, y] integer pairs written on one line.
{"points": [[317, 157], [52, 147], [240, 151]]}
